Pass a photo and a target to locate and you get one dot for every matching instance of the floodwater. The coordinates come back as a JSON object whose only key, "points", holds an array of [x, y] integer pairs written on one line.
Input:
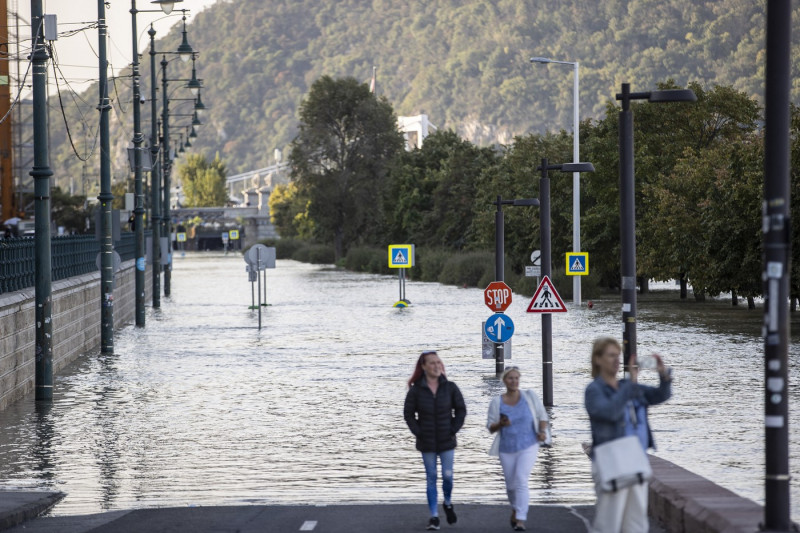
{"points": [[203, 408]]}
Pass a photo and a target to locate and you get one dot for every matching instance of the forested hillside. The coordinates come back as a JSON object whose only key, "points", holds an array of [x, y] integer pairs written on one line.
{"points": [[463, 62]]}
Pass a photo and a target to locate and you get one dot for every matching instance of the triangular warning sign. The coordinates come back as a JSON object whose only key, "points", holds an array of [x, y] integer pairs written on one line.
{"points": [[577, 266], [546, 299], [400, 259]]}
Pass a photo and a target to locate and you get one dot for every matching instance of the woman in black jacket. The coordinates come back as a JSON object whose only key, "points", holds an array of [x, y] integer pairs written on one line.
{"points": [[434, 411]]}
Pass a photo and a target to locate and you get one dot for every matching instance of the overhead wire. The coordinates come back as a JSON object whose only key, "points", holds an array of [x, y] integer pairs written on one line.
{"points": [[64, 115]]}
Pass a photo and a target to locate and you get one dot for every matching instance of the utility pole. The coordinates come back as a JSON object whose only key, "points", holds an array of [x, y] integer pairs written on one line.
{"points": [[41, 178], [105, 197]]}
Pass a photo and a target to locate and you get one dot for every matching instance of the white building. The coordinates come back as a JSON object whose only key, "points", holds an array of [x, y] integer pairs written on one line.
{"points": [[415, 129]]}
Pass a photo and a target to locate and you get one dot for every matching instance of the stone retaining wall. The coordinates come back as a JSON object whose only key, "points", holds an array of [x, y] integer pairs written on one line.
{"points": [[76, 325], [685, 502]]}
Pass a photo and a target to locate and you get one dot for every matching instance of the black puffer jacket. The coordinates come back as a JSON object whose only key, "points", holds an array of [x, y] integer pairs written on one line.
{"points": [[434, 420]]}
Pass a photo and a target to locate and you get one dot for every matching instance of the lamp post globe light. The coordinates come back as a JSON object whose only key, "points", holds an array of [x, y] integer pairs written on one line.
{"points": [[576, 182], [627, 207]]}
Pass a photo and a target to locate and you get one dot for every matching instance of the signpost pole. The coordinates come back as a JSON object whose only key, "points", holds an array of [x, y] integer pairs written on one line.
{"points": [[258, 267], [499, 268]]}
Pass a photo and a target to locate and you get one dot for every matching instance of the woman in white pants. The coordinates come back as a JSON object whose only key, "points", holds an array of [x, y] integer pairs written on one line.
{"points": [[519, 427]]}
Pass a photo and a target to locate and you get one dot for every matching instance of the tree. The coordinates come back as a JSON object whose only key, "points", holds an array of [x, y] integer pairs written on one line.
{"points": [[340, 158], [432, 191], [289, 212], [203, 181]]}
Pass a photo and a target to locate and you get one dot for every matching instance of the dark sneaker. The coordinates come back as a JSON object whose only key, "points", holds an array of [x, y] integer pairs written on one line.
{"points": [[451, 514], [433, 523]]}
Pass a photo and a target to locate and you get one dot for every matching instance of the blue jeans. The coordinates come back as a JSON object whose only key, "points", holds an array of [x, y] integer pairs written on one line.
{"points": [[429, 459]]}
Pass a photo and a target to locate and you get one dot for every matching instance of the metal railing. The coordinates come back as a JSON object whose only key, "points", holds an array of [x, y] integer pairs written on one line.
{"points": [[71, 255]]}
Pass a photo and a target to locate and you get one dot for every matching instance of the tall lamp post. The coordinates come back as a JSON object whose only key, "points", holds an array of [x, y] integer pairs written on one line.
{"points": [[576, 182], [138, 138], [777, 263], [544, 234], [499, 262], [105, 197], [186, 53], [627, 207], [41, 173]]}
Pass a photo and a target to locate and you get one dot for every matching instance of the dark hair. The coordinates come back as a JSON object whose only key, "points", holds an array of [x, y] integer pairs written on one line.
{"points": [[598, 348], [418, 368]]}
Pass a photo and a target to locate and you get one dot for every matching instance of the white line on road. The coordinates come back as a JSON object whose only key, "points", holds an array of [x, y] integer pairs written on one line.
{"points": [[308, 525]]}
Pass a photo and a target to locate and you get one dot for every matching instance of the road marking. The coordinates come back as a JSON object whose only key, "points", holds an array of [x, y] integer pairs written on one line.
{"points": [[308, 525]]}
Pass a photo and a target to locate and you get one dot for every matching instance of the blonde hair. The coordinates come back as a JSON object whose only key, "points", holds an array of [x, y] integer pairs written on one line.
{"points": [[598, 349], [509, 370]]}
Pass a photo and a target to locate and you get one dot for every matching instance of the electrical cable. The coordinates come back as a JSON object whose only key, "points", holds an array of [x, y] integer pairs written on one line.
{"points": [[66, 123]]}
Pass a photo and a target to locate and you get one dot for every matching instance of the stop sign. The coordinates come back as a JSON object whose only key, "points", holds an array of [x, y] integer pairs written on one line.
{"points": [[497, 296]]}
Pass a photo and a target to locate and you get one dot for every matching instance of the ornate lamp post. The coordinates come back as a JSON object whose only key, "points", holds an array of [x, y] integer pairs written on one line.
{"points": [[138, 138]]}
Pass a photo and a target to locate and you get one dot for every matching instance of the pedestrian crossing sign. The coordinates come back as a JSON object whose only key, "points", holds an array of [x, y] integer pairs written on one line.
{"points": [[577, 263], [401, 255], [546, 299]]}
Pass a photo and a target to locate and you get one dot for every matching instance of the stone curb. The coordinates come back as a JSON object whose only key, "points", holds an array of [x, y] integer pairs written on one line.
{"points": [[28, 508]]}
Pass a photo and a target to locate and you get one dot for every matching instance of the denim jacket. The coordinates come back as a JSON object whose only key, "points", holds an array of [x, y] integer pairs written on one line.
{"points": [[606, 406]]}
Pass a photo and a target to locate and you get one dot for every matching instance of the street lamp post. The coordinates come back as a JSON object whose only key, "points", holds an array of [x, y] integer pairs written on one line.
{"points": [[105, 197], [544, 235], [138, 138], [155, 176], [627, 207], [499, 262], [576, 182], [777, 267], [41, 174]]}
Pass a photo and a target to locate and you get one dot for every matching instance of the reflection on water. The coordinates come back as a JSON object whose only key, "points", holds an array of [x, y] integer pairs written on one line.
{"points": [[201, 407]]}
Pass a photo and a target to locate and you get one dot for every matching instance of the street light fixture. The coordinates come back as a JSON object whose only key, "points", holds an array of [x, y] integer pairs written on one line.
{"points": [[166, 5], [544, 232], [194, 84], [576, 183], [185, 50], [199, 107], [627, 209]]}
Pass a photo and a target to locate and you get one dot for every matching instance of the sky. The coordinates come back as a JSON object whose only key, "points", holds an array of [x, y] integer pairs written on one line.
{"points": [[77, 54]]}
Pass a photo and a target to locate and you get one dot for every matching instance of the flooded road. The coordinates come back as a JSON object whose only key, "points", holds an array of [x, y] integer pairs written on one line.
{"points": [[202, 408]]}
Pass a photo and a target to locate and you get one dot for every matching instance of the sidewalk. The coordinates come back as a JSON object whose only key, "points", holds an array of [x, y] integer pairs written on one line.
{"points": [[373, 518]]}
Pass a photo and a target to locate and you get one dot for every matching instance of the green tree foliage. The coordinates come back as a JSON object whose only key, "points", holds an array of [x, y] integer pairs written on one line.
{"points": [[289, 212], [340, 159], [203, 181], [465, 64], [432, 192]]}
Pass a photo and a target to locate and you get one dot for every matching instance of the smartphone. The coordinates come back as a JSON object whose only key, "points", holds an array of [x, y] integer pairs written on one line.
{"points": [[503, 417]]}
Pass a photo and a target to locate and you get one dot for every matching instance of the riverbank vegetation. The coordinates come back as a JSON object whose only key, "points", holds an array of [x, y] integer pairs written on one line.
{"points": [[699, 180]]}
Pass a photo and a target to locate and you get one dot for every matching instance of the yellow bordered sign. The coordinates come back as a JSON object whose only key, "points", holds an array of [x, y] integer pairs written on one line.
{"points": [[401, 255], [577, 263], [233, 234]]}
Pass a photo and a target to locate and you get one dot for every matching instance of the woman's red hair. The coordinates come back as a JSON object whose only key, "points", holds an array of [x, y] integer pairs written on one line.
{"points": [[418, 369]]}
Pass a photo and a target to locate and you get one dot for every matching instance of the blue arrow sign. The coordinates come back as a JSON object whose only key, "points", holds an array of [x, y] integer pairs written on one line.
{"points": [[499, 327]]}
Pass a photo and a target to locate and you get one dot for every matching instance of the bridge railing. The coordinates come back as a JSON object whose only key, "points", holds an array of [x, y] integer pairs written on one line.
{"points": [[71, 255]]}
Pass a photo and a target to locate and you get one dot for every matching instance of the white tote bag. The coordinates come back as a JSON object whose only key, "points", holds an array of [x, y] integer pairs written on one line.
{"points": [[620, 463]]}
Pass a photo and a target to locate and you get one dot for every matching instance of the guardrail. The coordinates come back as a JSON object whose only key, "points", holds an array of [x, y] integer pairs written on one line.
{"points": [[71, 255]]}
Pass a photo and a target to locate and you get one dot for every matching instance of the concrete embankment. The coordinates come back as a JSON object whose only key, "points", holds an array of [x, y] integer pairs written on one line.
{"points": [[76, 325]]}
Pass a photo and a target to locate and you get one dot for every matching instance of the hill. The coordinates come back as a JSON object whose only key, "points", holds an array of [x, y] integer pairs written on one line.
{"points": [[463, 62]]}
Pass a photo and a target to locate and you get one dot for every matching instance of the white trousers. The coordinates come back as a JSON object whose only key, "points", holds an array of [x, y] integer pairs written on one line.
{"points": [[624, 511], [517, 468]]}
